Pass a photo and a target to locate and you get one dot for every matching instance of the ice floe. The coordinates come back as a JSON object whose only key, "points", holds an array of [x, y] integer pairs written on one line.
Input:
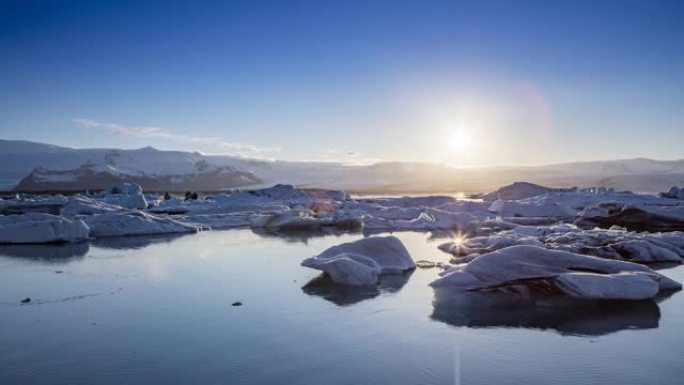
{"points": [[360, 263], [618, 244], [127, 195], [41, 228], [674, 193], [134, 223], [83, 205], [520, 190], [526, 268]]}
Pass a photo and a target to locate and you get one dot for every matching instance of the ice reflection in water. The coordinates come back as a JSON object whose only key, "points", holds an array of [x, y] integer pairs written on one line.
{"points": [[162, 314]]}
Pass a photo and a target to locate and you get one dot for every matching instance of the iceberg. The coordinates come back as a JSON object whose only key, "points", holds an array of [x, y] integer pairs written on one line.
{"points": [[41, 228], [360, 263], [126, 195], [531, 268], [82, 205], [519, 190], [674, 193], [135, 223], [647, 216], [618, 244]]}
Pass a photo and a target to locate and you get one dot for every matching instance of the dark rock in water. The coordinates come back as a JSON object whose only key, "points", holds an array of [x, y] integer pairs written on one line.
{"points": [[26, 300], [236, 304], [58, 272]]}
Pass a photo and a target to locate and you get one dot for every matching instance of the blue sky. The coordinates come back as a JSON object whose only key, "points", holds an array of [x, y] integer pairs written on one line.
{"points": [[462, 82]]}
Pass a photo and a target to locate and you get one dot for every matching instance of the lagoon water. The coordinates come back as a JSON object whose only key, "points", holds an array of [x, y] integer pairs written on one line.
{"points": [[158, 310]]}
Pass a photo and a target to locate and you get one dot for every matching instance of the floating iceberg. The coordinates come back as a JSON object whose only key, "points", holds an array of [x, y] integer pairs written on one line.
{"points": [[41, 228], [82, 205], [525, 269], [646, 216], [126, 195], [544, 206], [615, 244], [520, 190], [135, 223], [674, 193], [362, 262]]}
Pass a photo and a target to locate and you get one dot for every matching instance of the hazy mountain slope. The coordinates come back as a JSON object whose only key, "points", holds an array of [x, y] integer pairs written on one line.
{"points": [[35, 166], [27, 166]]}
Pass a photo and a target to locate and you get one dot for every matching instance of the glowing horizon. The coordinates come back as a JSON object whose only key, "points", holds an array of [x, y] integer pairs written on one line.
{"points": [[348, 82]]}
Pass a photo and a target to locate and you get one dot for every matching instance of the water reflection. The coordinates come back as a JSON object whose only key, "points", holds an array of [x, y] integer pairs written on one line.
{"points": [[136, 241], [46, 253], [345, 295], [299, 236], [562, 315]]}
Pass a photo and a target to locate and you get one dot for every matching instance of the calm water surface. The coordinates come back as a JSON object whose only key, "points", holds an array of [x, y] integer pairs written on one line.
{"points": [[158, 310]]}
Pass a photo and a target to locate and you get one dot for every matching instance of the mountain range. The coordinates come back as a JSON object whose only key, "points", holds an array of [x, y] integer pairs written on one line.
{"points": [[30, 166]]}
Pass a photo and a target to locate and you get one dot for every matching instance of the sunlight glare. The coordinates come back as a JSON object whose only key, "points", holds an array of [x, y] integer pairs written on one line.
{"points": [[461, 142]]}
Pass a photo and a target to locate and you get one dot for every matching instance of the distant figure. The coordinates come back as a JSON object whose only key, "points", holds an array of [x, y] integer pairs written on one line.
{"points": [[167, 196], [188, 195], [194, 196]]}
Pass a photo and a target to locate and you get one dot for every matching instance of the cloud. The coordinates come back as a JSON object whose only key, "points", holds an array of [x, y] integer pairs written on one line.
{"points": [[163, 133], [339, 153]]}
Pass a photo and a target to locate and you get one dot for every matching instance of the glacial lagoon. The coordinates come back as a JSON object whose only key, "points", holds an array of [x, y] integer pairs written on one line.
{"points": [[142, 310]]}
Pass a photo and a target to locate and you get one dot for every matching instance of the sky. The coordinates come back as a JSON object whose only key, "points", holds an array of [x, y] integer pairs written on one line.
{"points": [[457, 82]]}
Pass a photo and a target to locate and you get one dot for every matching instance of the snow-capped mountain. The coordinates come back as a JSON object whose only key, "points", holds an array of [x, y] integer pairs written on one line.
{"points": [[30, 166]]}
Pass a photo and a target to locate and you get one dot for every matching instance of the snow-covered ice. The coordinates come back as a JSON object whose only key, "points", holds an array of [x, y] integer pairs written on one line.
{"points": [[83, 205], [126, 195], [134, 223], [616, 244], [522, 237], [362, 262], [571, 274], [41, 228], [674, 192]]}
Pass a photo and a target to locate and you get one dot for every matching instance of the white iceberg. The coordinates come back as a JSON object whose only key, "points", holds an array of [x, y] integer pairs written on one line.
{"points": [[360, 263], [126, 195], [82, 205], [135, 223], [615, 244], [41, 228], [543, 206], [574, 275], [519, 190]]}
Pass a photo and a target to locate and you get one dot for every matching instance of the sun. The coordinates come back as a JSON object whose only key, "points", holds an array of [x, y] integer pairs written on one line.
{"points": [[461, 142]]}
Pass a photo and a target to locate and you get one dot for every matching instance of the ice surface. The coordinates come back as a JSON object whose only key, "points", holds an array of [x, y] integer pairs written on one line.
{"points": [[134, 223], [616, 244], [575, 275], [674, 193], [518, 190], [362, 262], [41, 228], [126, 195], [83, 205]]}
